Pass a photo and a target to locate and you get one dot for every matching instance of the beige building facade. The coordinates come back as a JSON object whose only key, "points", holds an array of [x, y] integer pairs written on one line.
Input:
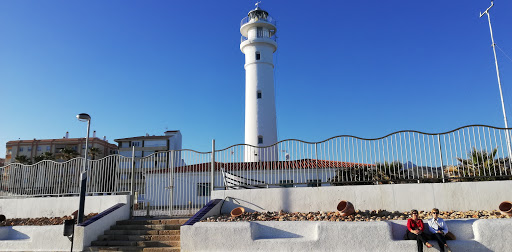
{"points": [[36, 147]]}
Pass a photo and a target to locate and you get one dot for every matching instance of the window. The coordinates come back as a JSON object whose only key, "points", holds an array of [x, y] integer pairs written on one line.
{"points": [[38, 148], [258, 56], [29, 148], [286, 183], [203, 189], [260, 139], [155, 143], [136, 144], [259, 95], [314, 182], [259, 32], [21, 149], [47, 148]]}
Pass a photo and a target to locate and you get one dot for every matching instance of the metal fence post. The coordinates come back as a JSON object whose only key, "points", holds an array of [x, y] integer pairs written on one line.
{"points": [[171, 184], [441, 153], [212, 179], [316, 159], [132, 185], [61, 173]]}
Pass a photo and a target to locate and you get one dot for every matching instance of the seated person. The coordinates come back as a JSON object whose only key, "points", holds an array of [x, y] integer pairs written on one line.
{"points": [[439, 229], [415, 231]]}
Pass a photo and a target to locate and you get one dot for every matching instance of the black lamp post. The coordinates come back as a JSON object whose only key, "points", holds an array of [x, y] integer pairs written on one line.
{"points": [[83, 117]]}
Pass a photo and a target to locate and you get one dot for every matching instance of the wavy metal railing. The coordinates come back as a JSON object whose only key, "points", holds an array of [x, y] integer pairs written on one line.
{"points": [[179, 182], [473, 152]]}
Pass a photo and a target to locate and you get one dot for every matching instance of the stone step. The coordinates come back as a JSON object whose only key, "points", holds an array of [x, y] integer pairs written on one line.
{"points": [[142, 232], [106, 249], [145, 227], [173, 249], [117, 237], [132, 249], [153, 222], [136, 243]]}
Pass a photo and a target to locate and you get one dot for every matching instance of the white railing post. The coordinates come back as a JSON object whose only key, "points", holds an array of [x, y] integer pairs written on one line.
{"points": [[132, 184], [171, 184], [212, 179], [316, 159], [441, 154]]}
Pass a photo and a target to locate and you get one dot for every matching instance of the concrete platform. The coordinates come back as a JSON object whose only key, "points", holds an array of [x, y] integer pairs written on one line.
{"points": [[472, 235]]}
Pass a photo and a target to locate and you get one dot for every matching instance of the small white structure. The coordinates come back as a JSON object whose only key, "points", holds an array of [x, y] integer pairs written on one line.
{"points": [[189, 185], [258, 44], [150, 152]]}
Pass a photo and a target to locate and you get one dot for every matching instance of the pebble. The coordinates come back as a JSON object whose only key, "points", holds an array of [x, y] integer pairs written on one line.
{"points": [[359, 215], [42, 221]]}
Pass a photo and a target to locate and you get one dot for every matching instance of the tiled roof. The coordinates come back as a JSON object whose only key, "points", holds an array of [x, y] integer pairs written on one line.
{"points": [[270, 165]]}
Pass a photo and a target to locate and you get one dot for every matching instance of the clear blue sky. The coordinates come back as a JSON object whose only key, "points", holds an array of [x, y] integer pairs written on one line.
{"points": [[364, 68]]}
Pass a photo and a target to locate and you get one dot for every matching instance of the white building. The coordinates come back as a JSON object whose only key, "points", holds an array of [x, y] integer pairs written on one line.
{"points": [[155, 149], [147, 145], [258, 44]]}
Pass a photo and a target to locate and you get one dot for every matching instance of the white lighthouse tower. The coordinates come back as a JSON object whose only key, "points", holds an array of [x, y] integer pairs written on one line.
{"points": [[258, 44]]}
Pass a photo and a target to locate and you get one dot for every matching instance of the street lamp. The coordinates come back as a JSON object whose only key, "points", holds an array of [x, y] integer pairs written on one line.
{"points": [[83, 117]]}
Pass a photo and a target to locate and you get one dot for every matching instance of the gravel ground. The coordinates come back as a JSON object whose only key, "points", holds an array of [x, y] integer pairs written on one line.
{"points": [[43, 221], [359, 215]]}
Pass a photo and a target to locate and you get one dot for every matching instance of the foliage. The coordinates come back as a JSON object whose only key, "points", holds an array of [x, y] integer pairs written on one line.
{"points": [[480, 163], [45, 156], [93, 152], [67, 154], [365, 174], [388, 171], [23, 159]]}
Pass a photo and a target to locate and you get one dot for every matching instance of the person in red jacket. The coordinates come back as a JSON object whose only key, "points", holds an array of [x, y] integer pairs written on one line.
{"points": [[415, 231]]}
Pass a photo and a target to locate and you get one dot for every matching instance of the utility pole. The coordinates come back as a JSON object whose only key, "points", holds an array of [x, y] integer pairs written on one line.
{"points": [[507, 135]]}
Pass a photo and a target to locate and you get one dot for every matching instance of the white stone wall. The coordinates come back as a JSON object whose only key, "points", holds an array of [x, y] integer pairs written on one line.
{"points": [[489, 235], [461, 196], [50, 238], [56, 206]]}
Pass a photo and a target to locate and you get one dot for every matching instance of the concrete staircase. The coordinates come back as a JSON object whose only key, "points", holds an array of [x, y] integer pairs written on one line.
{"points": [[148, 235]]}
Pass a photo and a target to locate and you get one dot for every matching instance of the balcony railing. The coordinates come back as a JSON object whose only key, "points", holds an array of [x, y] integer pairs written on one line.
{"points": [[243, 38], [248, 19]]}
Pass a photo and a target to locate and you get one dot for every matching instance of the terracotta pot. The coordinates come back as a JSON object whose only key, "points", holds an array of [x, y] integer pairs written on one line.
{"points": [[506, 208], [346, 208], [75, 215], [237, 212]]}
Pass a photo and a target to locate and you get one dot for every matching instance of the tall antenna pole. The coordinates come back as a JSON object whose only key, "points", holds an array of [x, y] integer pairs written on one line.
{"points": [[499, 80]]}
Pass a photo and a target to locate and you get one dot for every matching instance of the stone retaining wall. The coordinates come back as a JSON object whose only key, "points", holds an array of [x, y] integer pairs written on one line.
{"points": [[474, 235], [50, 238], [458, 196], [56, 206]]}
